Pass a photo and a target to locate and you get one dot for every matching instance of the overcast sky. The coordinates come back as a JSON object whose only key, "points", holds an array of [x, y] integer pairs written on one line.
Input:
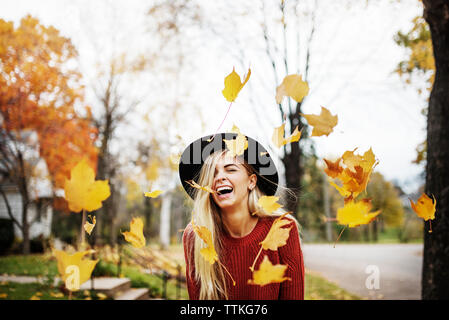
{"points": [[352, 64]]}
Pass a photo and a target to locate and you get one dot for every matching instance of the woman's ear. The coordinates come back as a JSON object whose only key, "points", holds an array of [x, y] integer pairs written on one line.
{"points": [[252, 181]]}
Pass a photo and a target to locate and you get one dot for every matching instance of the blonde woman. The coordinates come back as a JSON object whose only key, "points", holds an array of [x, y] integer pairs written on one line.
{"points": [[236, 223]]}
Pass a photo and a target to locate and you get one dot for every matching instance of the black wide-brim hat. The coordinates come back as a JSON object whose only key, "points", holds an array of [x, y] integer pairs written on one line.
{"points": [[193, 157]]}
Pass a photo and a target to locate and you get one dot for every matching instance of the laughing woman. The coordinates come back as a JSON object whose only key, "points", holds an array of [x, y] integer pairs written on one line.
{"points": [[236, 223]]}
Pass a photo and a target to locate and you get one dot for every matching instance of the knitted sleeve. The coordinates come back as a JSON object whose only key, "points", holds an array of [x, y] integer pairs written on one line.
{"points": [[291, 255], [188, 240]]}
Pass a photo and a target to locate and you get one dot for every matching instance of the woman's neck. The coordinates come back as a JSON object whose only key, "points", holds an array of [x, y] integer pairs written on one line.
{"points": [[239, 223]]}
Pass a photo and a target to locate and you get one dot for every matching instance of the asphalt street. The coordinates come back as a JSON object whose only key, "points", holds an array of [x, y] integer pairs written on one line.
{"points": [[372, 271]]}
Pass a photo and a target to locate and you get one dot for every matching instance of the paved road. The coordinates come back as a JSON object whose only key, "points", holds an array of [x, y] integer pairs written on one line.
{"points": [[353, 266]]}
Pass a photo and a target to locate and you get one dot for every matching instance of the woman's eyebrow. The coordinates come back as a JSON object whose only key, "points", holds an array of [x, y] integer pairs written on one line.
{"points": [[230, 164]]}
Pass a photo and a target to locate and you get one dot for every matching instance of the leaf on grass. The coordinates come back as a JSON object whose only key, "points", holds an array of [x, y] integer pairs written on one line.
{"points": [[323, 124], [268, 273], [354, 213], [153, 194], [278, 136], [82, 191], [208, 253], [101, 296], [233, 85], [135, 234], [269, 203], [56, 294], [90, 226], [292, 86]]}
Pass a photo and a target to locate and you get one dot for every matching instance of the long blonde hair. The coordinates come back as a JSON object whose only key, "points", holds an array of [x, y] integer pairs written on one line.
{"points": [[206, 213]]}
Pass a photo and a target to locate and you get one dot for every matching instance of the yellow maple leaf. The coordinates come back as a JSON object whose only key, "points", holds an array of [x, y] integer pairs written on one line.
{"points": [[333, 169], [73, 269], [56, 294], [356, 173], [82, 191], [153, 194], [269, 203], [292, 86], [195, 185], [323, 124], [238, 145], [233, 85], [268, 273], [367, 161], [3, 295], [135, 234], [278, 136], [278, 235], [90, 226], [354, 213], [424, 207], [208, 253]]}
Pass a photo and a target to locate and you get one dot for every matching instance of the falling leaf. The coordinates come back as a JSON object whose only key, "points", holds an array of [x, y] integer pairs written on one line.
{"points": [[73, 269], [135, 235], [292, 86], [425, 207], [333, 168], [208, 253], [343, 192], [278, 136], [323, 124], [35, 297], [233, 85], [195, 185], [278, 235], [355, 174], [269, 203], [354, 213], [238, 145], [3, 295], [268, 273], [82, 191], [153, 194], [90, 226]]}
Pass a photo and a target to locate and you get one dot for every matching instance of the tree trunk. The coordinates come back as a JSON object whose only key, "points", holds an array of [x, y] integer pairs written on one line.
{"points": [[164, 232], [293, 164], [148, 211], [435, 271]]}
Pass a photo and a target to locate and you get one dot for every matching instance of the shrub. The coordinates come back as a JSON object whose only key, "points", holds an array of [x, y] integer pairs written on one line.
{"points": [[6, 235]]}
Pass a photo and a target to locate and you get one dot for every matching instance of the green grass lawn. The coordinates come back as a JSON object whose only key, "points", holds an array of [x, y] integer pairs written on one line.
{"points": [[316, 287]]}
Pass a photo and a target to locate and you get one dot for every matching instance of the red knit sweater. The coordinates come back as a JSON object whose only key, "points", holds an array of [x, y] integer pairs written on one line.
{"points": [[239, 255]]}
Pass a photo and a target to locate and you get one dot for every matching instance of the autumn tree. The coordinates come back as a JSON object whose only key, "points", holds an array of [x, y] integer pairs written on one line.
{"points": [[384, 197], [435, 272], [418, 68], [39, 89]]}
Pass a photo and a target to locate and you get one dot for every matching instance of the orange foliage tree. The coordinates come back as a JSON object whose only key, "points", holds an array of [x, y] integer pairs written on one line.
{"points": [[39, 89]]}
